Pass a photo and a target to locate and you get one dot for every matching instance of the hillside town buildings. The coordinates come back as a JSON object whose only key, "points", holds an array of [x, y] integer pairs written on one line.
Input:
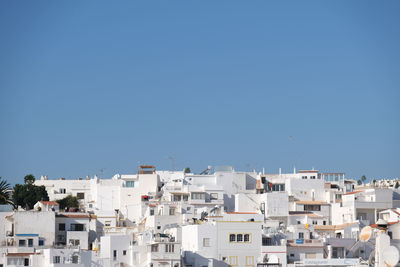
{"points": [[221, 217]]}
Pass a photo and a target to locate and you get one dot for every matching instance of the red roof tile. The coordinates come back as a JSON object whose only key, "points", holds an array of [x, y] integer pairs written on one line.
{"points": [[354, 192]]}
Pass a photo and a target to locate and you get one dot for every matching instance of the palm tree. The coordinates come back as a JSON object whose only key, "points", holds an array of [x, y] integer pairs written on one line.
{"points": [[5, 192]]}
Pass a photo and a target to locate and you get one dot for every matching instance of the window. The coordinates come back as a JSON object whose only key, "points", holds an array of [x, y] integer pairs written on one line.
{"points": [[246, 237], [214, 196], [198, 196], [77, 227], [278, 187], [124, 252], [337, 252], [107, 223], [56, 259], [314, 222], [312, 207], [232, 238], [233, 260], [169, 248], [312, 177], [30, 242], [114, 254], [303, 177], [74, 242], [324, 222], [301, 235], [130, 184], [41, 242], [154, 248], [176, 198], [22, 243], [80, 195], [298, 222], [206, 242], [185, 198], [239, 238], [188, 208], [90, 206], [171, 211], [249, 260], [291, 255], [151, 212], [75, 259], [26, 262], [62, 191], [61, 227], [266, 241]]}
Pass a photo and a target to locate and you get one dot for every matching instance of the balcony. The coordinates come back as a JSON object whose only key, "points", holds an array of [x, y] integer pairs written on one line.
{"points": [[305, 243]]}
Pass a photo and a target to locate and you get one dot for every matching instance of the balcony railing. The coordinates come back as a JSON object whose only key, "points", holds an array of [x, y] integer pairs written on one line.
{"points": [[305, 242]]}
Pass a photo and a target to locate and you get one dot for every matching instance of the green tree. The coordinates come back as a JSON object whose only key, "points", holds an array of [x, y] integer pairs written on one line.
{"points": [[359, 182], [187, 170], [363, 178], [5, 192], [397, 185], [68, 202], [29, 179], [28, 195]]}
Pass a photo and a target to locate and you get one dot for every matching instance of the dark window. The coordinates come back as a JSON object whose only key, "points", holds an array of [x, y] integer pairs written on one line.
{"points": [[312, 207], [301, 235], [239, 238], [324, 222], [61, 227], [232, 238], [154, 248], [246, 238], [26, 262], [77, 227], [22, 243], [151, 212], [30, 242], [115, 254], [80, 195], [75, 259], [267, 241], [124, 252]]}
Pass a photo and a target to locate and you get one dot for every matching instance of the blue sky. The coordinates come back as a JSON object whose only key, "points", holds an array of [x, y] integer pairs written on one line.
{"points": [[91, 85]]}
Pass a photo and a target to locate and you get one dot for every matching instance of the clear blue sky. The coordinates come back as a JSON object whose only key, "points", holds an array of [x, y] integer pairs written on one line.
{"points": [[86, 85]]}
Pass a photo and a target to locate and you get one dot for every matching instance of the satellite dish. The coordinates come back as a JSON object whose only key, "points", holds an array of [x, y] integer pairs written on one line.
{"points": [[273, 259], [365, 234], [390, 256]]}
